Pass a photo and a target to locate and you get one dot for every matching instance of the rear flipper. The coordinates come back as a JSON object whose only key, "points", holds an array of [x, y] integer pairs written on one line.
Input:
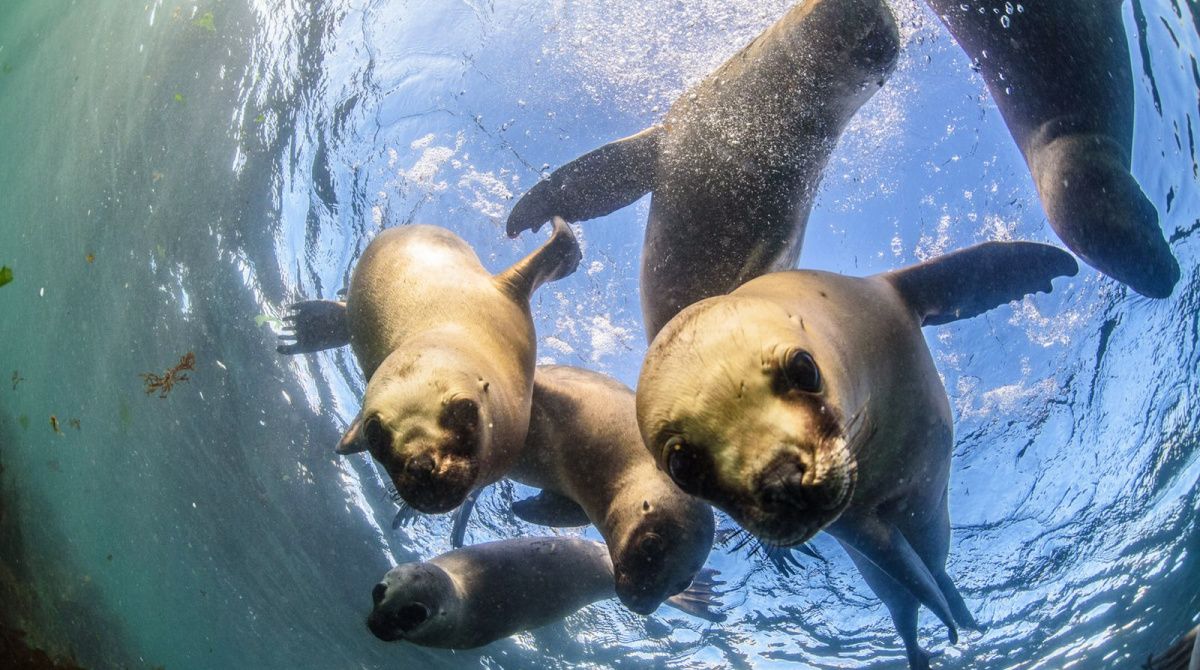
{"points": [[1184, 654], [551, 509], [597, 183], [315, 325], [701, 599], [901, 605], [958, 607], [883, 545], [1100, 212]]}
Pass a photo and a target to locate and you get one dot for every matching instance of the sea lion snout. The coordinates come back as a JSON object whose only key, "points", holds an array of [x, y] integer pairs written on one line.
{"points": [[435, 483], [790, 483]]}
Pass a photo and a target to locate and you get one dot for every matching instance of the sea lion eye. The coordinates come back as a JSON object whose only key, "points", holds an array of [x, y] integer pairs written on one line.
{"points": [[378, 438], [802, 373], [686, 465]]}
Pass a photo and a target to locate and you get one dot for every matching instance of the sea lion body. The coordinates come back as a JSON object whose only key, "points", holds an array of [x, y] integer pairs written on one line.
{"points": [[807, 401], [1060, 72], [735, 165], [469, 597], [583, 444], [486, 592], [448, 351]]}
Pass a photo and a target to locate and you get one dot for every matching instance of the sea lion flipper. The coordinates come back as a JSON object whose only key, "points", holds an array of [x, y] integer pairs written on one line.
{"points": [[555, 259], [314, 325], [597, 183], [887, 549], [702, 598], [551, 509], [352, 441], [405, 514], [1183, 654], [901, 606], [971, 281], [461, 516], [962, 614]]}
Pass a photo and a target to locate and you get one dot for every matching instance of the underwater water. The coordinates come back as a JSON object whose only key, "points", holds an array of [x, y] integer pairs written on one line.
{"points": [[175, 174]]}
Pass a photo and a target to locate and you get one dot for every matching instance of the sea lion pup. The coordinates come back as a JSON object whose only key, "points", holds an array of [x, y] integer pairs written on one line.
{"points": [[807, 401], [469, 597], [1061, 75], [736, 163], [448, 351], [584, 451]]}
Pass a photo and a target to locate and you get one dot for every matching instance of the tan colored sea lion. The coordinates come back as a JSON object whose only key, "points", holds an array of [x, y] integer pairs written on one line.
{"points": [[736, 163], [472, 596], [1061, 75], [584, 451], [808, 400], [448, 350]]}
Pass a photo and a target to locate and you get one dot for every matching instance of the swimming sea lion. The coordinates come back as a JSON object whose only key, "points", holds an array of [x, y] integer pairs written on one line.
{"points": [[1060, 73], [448, 350], [469, 597], [1183, 654], [584, 451], [807, 400], [736, 163]]}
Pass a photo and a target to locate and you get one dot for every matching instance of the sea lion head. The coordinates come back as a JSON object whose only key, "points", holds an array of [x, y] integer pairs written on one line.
{"points": [[427, 421], [743, 407], [661, 541], [415, 602]]}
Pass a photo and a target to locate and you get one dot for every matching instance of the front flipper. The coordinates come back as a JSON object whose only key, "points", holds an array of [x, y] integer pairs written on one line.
{"points": [[1183, 654], [886, 547], [597, 183], [971, 281], [315, 325], [701, 599], [551, 509], [555, 259], [461, 516]]}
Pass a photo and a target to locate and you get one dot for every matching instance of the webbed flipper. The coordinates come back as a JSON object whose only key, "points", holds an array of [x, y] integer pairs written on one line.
{"points": [[886, 547], [971, 281], [597, 183], [701, 599], [555, 259], [958, 606], [314, 325], [461, 516], [551, 509]]}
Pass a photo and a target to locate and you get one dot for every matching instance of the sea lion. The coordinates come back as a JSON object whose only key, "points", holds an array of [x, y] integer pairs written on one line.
{"points": [[807, 401], [469, 597], [448, 350], [736, 164], [1060, 73], [1183, 654], [584, 451]]}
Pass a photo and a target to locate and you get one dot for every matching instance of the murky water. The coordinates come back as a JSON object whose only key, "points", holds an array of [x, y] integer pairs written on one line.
{"points": [[174, 174]]}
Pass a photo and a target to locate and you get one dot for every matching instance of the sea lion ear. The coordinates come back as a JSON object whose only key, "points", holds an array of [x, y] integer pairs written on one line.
{"points": [[971, 281], [353, 441], [555, 259], [597, 183]]}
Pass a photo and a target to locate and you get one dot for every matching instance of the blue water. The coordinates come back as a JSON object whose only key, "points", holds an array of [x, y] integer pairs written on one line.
{"points": [[173, 175]]}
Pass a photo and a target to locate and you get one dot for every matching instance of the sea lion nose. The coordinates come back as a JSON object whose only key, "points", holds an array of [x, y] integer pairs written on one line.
{"points": [[378, 593], [650, 546], [783, 485], [421, 467]]}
